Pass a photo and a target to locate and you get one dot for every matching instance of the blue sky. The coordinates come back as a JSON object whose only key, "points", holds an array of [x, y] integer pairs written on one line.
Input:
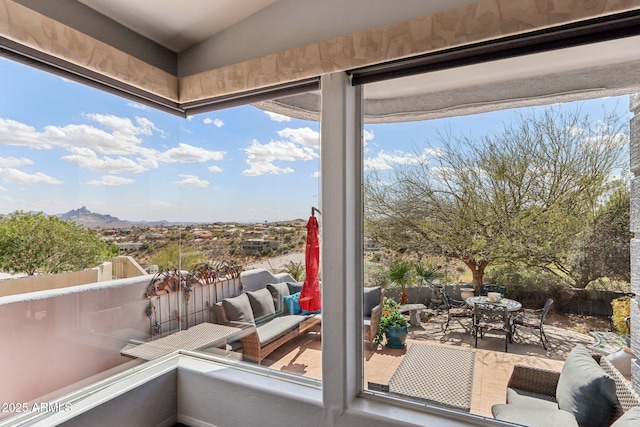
{"points": [[64, 145]]}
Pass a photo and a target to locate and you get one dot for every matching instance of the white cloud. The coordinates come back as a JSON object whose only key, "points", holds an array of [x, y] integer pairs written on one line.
{"points": [[214, 169], [15, 176], [89, 160], [216, 122], [303, 136], [137, 106], [193, 180], [115, 148], [3, 188], [386, 161], [13, 162], [275, 117], [260, 157], [367, 136], [112, 181], [185, 153], [18, 134]]}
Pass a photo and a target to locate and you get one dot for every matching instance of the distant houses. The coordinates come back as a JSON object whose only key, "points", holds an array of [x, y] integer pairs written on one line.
{"points": [[251, 246], [125, 247]]}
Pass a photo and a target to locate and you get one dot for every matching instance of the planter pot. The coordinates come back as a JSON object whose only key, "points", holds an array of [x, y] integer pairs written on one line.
{"points": [[466, 293], [397, 336]]}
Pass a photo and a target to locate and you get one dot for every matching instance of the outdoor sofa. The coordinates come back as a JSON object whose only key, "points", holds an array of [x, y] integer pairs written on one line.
{"points": [[588, 392], [271, 315]]}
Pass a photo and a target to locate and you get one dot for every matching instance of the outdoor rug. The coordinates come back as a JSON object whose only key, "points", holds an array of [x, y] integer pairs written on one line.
{"points": [[439, 375]]}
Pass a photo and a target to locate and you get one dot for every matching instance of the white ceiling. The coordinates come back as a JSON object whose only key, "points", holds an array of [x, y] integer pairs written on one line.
{"points": [[174, 24]]}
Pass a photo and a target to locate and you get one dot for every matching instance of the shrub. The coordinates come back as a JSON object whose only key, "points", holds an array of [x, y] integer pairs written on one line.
{"points": [[376, 275], [296, 270], [529, 285], [621, 310]]}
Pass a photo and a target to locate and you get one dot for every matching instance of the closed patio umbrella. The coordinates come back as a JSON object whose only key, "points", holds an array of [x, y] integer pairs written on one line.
{"points": [[310, 298]]}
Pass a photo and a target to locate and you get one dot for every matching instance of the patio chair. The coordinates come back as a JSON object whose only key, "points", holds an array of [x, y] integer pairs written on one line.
{"points": [[455, 309], [372, 307], [533, 322], [485, 289], [491, 317]]}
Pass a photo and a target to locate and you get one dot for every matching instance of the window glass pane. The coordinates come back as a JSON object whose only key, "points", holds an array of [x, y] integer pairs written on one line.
{"points": [[147, 220], [492, 198]]}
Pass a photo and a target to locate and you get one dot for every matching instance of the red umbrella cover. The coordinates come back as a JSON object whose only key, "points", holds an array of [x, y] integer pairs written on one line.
{"points": [[310, 297]]}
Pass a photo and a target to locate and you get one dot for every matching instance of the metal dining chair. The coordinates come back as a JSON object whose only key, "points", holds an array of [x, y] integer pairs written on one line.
{"points": [[491, 317], [535, 323], [455, 309], [485, 289]]}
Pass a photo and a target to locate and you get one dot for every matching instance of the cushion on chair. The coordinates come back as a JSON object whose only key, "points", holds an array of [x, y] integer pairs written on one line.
{"points": [[522, 398], [631, 418], [278, 292], [277, 327], [533, 416], [527, 321], [238, 309], [371, 299], [585, 390], [460, 312], [262, 305]]}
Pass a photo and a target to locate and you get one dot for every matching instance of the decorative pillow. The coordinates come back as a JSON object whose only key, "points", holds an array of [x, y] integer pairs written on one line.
{"points": [[262, 305], [238, 309], [291, 303], [371, 299], [585, 390], [278, 292]]}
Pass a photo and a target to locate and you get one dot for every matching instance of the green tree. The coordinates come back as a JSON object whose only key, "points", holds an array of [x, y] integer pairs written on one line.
{"points": [[519, 195], [176, 256], [603, 248], [34, 243]]}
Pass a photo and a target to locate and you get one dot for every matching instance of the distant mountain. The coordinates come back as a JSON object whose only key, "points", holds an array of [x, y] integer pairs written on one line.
{"points": [[88, 219]]}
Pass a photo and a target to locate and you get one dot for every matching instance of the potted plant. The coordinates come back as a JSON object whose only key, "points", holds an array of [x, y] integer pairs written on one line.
{"points": [[393, 325], [400, 274]]}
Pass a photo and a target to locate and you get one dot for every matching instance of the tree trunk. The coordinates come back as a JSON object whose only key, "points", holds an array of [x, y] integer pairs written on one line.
{"points": [[477, 270]]}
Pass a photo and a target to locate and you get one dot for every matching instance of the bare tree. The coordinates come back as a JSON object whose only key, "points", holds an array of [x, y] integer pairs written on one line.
{"points": [[520, 195]]}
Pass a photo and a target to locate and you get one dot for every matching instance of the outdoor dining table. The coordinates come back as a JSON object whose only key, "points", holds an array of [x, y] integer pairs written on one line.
{"points": [[512, 305]]}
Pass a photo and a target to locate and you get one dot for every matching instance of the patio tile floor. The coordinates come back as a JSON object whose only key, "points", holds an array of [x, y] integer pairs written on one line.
{"points": [[492, 370]]}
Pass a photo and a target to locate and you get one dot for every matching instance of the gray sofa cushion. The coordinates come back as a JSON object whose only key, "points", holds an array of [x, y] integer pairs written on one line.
{"points": [[518, 397], [278, 292], [533, 416], [294, 287], [371, 299], [262, 305], [631, 418], [277, 327], [585, 390], [238, 309]]}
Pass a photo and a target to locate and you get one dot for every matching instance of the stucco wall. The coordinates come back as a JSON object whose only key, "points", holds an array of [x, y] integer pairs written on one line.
{"points": [[21, 285]]}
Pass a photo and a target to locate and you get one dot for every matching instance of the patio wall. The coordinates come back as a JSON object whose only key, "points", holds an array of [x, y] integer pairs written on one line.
{"points": [[583, 301], [57, 338], [21, 285]]}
